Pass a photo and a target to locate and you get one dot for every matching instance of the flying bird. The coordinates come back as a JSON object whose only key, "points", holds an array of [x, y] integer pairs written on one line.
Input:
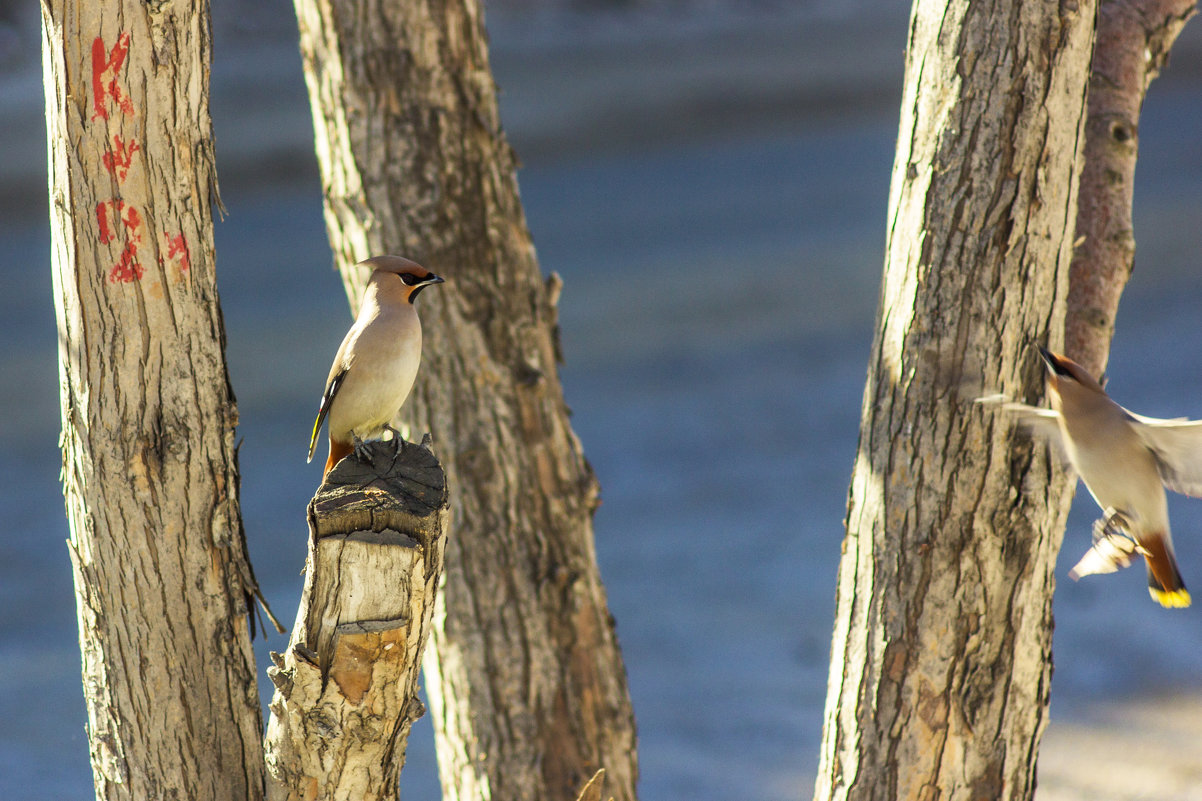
{"points": [[1126, 460], [377, 362]]}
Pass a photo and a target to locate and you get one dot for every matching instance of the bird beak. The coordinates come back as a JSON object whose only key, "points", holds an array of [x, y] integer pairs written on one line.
{"points": [[432, 279], [1049, 360]]}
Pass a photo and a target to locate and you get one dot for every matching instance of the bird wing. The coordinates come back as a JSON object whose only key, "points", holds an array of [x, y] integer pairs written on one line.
{"points": [[1177, 446], [1042, 422], [327, 398]]}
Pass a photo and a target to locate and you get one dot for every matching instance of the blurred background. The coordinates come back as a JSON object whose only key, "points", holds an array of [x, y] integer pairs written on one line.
{"points": [[710, 178]]}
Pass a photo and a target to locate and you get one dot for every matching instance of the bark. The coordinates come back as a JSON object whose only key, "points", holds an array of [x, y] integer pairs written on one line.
{"points": [[525, 680], [941, 655], [149, 465], [346, 689], [1133, 42]]}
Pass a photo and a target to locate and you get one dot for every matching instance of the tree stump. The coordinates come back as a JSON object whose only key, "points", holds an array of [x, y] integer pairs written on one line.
{"points": [[346, 688]]}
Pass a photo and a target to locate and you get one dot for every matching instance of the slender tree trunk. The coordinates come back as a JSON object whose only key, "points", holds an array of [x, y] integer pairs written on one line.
{"points": [[941, 656], [525, 680], [149, 467], [1134, 38]]}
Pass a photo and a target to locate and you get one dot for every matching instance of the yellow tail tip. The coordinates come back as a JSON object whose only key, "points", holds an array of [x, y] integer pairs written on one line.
{"points": [[1171, 599]]}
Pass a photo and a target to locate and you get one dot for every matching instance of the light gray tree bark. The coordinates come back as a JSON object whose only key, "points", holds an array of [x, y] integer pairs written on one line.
{"points": [[941, 655], [149, 466], [525, 681], [346, 687]]}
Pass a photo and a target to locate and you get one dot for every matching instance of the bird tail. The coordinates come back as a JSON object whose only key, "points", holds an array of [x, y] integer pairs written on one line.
{"points": [[1165, 584], [338, 452], [327, 398], [321, 416]]}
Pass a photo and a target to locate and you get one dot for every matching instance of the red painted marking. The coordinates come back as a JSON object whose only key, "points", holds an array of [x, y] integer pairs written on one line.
{"points": [[105, 67], [128, 215], [177, 248], [127, 269], [133, 221], [118, 159], [102, 219]]}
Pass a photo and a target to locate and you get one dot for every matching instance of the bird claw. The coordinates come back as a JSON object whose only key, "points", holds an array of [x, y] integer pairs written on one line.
{"points": [[360, 449], [399, 443], [396, 438], [1113, 523], [1113, 546]]}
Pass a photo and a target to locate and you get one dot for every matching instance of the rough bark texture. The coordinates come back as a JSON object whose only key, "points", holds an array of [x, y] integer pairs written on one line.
{"points": [[1133, 42], [525, 680], [941, 655], [346, 689], [149, 468]]}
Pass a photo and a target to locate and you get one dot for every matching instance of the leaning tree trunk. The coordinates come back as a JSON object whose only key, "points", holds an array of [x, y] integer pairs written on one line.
{"points": [[941, 655], [525, 680], [1134, 38], [149, 467]]}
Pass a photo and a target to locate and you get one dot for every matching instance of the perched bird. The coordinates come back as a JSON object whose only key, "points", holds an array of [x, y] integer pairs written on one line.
{"points": [[378, 359], [1126, 460]]}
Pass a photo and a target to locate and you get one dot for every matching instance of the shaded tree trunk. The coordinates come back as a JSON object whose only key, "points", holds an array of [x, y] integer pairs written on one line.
{"points": [[1133, 42], [941, 655], [149, 467], [525, 680]]}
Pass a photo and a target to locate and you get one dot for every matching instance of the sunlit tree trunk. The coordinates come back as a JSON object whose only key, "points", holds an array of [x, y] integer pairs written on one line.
{"points": [[149, 469], [346, 687], [525, 680], [941, 655]]}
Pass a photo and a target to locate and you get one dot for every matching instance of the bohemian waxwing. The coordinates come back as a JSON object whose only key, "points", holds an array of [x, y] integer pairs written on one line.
{"points": [[377, 362], [1126, 460]]}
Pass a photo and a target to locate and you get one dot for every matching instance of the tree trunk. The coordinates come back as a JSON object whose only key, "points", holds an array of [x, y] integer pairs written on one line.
{"points": [[525, 681], [149, 468], [1134, 38], [941, 655], [346, 688]]}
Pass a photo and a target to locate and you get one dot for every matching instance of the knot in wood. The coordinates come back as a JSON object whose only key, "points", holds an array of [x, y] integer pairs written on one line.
{"points": [[1122, 131]]}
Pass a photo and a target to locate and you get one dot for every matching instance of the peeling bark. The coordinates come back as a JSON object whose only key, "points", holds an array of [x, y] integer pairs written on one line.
{"points": [[1133, 42], [346, 688], [941, 654], [149, 465], [525, 680]]}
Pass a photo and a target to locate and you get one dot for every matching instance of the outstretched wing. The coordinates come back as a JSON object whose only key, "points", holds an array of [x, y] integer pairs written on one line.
{"points": [[1177, 446], [1041, 422], [327, 398]]}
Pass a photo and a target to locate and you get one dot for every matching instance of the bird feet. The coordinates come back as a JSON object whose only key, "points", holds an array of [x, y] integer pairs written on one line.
{"points": [[400, 445], [363, 452], [397, 438], [1113, 523], [1113, 546], [359, 448]]}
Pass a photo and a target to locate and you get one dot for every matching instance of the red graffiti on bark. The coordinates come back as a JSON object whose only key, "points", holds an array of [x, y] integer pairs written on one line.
{"points": [[128, 215], [105, 66], [119, 157], [177, 251], [108, 213], [127, 269]]}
